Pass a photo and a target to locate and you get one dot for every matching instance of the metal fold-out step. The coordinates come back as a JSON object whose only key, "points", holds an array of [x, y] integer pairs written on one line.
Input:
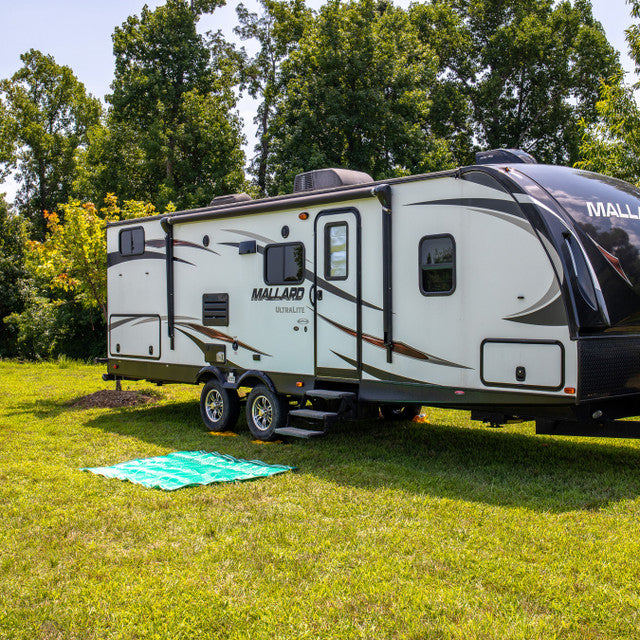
{"points": [[307, 423], [310, 416], [295, 432], [336, 405], [330, 394]]}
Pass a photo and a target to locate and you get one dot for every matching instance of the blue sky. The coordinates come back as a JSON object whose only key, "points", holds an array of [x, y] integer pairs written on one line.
{"points": [[78, 34]]}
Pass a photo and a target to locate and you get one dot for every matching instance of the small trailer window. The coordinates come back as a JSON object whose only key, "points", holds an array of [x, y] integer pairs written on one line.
{"points": [[437, 258], [336, 243], [132, 241], [284, 263]]}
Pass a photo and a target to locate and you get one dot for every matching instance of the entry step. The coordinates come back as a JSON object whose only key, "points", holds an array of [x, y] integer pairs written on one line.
{"points": [[310, 414], [294, 432], [330, 394]]}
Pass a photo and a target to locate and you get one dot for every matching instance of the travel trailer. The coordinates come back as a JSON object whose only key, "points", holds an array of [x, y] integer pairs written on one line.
{"points": [[507, 288]]}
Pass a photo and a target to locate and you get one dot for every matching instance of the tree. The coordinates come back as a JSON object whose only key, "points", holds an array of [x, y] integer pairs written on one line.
{"points": [[45, 114], [443, 29], [172, 113], [612, 144], [12, 273], [525, 71], [277, 32], [357, 96]]}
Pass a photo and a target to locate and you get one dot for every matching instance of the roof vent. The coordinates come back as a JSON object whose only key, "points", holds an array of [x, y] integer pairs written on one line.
{"points": [[328, 178], [509, 156], [231, 198]]}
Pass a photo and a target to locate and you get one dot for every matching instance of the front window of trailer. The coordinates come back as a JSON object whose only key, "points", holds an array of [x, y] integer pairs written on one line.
{"points": [[606, 213], [606, 209]]}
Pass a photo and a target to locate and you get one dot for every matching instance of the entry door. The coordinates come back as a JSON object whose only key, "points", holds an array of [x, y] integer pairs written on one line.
{"points": [[337, 294]]}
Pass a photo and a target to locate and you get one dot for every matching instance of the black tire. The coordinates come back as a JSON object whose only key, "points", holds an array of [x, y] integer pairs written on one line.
{"points": [[219, 407], [266, 412], [399, 411]]}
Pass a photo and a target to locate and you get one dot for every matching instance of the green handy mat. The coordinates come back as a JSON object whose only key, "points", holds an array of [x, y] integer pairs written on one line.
{"points": [[188, 468]]}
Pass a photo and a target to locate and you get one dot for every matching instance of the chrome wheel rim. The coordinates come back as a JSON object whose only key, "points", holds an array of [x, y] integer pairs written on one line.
{"points": [[262, 413], [214, 405]]}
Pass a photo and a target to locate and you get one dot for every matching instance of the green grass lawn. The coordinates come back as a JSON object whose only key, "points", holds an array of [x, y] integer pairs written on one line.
{"points": [[439, 530]]}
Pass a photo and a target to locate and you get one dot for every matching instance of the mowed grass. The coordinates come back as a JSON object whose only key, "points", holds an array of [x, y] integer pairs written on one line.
{"points": [[440, 530]]}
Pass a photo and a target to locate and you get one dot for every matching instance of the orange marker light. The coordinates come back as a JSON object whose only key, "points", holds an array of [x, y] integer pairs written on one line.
{"points": [[570, 390], [303, 216], [299, 384]]}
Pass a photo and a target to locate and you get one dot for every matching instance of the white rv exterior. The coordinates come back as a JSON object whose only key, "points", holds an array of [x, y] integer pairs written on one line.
{"points": [[473, 288]]}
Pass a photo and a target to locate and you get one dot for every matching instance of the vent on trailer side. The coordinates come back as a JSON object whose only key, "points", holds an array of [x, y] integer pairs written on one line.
{"points": [[215, 309]]}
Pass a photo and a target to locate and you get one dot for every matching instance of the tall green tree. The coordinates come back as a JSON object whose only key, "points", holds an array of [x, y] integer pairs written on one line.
{"points": [[443, 29], [45, 114], [357, 96], [172, 132], [524, 71], [277, 31], [612, 144]]}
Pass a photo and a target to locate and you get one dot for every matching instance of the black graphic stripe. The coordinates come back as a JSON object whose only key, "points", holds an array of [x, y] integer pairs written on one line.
{"points": [[381, 374], [492, 204], [398, 347], [214, 334], [551, 315], [119, 323], [115, 257], [180, 243], [336, 291], [201, 345]]}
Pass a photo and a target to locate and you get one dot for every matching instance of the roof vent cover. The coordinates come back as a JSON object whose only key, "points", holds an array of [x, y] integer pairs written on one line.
{"points": [[230, 198], [328, 178], [508, 156]]}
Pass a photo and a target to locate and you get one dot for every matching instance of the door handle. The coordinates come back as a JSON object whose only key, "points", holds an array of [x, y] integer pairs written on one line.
{"points": [[319, 294]]}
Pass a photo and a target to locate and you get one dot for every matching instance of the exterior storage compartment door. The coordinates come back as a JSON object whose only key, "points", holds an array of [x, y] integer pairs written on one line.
{"points": [[136, 336], [522, 364]]}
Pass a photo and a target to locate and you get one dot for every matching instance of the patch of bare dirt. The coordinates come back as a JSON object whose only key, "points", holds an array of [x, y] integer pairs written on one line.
{"points": [[110, 398]]}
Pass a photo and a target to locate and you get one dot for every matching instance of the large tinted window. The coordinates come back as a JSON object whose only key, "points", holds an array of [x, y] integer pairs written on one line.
{"points": [[591, 197], [437, 265], [606, 209], [284, 263]]}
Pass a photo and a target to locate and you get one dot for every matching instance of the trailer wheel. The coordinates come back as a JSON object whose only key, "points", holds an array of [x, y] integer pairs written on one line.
{"points": [[399, 411], [266, 412], [219, 407]]}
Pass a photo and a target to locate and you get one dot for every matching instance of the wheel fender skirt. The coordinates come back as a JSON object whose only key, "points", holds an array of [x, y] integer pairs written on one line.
{"points": [[252, 373], [206, 372]]}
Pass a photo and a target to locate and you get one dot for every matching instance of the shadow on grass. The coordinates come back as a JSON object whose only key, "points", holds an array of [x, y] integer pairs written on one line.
{"points": [[471, 464], [49, 408], [40, 408]]}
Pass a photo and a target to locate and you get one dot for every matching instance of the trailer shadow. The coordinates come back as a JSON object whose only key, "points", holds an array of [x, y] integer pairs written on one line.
{"points": [[497, 467]]}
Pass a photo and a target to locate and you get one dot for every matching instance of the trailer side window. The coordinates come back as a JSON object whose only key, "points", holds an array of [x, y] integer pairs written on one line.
{"points": [[132, 241], [437, 259], [336, 246], [284, 263]]}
